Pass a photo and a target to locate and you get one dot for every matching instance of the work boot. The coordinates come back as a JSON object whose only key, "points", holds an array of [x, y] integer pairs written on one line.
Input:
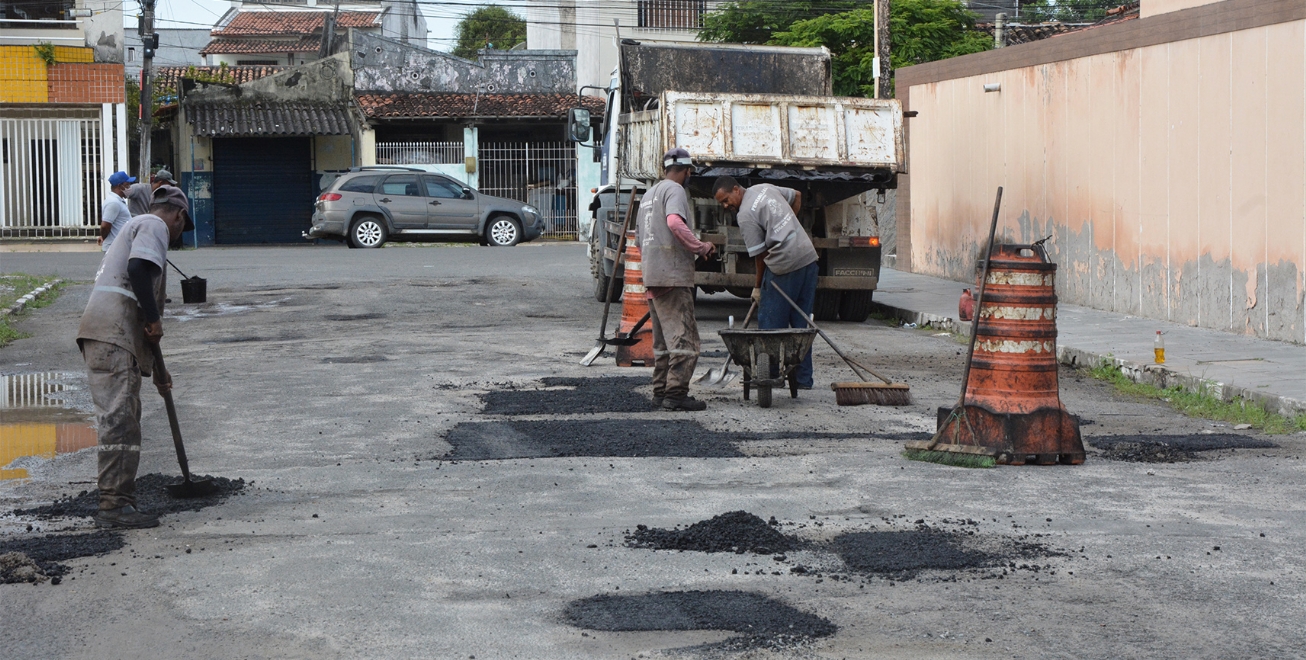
{"points": [[126, 517], [685, 403], [657, 401]]}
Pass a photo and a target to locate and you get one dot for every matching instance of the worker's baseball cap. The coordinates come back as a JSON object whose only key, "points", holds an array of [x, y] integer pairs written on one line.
{"points": [[119, 178], [164, 176], [174, 196], [676, 156]]}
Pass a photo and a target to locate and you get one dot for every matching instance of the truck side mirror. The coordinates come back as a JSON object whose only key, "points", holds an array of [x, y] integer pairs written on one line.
{"points": [[578, 125]]}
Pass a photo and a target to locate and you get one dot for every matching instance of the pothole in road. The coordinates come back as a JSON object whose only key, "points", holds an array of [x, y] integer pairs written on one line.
{"points": [[902, 554], [1172, 448], [40, 558], [736, 531], [480, 441], [573, 396], [355, 359], [151, 497], [367, 316], [760, 618]]}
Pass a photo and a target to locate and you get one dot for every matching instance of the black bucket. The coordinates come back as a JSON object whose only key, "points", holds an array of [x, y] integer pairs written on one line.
{"points": [[194, 290]]}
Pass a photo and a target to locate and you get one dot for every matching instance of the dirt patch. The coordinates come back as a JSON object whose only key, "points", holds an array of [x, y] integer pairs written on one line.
{"points": [[754, 615], [736, 531], [583, 395], [480, 441], [40, 558], [1172, 448], [151, 497], [902, 554], [355, 359]]}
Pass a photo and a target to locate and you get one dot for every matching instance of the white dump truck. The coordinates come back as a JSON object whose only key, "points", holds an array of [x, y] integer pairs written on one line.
{"points": [[762, 115]]}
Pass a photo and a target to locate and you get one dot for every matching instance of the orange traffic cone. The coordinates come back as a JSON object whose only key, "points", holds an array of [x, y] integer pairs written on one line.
{"points": [[634, 306]]}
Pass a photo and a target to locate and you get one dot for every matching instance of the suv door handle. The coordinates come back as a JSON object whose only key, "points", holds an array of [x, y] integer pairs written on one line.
{"points": [[435, 203], [384, 200]]}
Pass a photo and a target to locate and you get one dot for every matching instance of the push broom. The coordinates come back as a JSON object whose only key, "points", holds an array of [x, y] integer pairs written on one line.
{"points": [[954, 453], [857, 394]]}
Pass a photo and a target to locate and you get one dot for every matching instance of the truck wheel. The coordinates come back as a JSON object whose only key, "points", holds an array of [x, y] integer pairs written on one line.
{"points": [[826, 306], [367, 232], [596, 270], [855, 306]]}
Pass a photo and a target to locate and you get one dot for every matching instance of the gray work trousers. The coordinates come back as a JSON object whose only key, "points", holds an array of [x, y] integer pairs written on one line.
{"points": [[675, 342], [115, 380]]}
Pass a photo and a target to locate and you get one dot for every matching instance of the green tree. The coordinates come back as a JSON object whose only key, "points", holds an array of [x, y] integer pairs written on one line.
{"points": [[755, 21], [489, 26], [920, 31]]}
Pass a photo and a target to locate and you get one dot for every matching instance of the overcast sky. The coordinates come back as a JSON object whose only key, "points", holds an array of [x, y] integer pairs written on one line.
{"points": [[440, 21]]}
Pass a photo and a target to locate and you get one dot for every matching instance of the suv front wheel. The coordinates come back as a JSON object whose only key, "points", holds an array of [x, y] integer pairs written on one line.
{"points": [[503, 231], [367, 232]]}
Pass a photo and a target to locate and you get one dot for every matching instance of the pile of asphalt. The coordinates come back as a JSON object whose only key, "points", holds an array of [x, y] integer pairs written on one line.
{"points": [[736, 531], [40, 558], [902, 554], [754, 615], [151, 497], [583, 395], [625, 438], [1172, 448]]}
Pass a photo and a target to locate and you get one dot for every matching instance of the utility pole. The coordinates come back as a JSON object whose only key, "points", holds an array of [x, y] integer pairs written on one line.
{"points": [[149, 42], [882, 49]]}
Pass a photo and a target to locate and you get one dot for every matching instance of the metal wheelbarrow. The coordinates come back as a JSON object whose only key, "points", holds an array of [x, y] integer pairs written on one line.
{"points": [[757, 351]]}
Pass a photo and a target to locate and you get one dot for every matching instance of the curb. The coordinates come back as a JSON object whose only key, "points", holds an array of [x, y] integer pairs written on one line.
{"points": [[21, 304], [1149, 374]]}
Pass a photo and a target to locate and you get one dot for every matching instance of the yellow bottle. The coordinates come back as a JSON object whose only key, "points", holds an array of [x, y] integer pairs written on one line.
{"points": [[1158, 348]]}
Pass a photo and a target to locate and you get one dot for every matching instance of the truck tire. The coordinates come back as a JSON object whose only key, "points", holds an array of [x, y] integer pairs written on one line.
{"points": [[596, 269], [826, 306], [855, 306]]}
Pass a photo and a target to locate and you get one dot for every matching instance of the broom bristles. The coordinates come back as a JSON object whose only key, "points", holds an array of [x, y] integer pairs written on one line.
{"points": [[950, 458], [860, 394]]}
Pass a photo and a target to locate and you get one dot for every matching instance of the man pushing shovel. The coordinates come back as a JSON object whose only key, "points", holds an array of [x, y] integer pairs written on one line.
{"points": [[124, 313]]}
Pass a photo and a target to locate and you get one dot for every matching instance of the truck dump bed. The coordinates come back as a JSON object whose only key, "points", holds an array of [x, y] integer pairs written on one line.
{"points": [[650, 69]]}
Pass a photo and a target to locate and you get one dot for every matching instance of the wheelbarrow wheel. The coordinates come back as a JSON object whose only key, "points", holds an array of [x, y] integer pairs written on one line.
{"points": [[763, 370]]}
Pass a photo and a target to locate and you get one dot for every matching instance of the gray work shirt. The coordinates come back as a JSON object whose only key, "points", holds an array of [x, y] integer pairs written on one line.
{"points": [[665, 261], [139, 196], [115, 214], [769, 225], [112, 314]]}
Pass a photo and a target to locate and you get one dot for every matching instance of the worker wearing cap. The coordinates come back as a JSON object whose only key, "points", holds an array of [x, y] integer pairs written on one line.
{"points": [[122, 315], [114, 213], [140, 196], [784, 254], [668, 249]]}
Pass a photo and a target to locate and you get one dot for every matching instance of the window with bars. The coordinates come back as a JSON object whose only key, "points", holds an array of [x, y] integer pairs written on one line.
{"points": [[671, 14]]}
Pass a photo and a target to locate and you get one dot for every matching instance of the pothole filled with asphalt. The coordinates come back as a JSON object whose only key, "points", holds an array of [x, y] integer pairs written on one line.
{"points": [[598, 437], [760, 620], [41, 558], [736, 531], [151, 497], [1172, 448], [569, 396]]}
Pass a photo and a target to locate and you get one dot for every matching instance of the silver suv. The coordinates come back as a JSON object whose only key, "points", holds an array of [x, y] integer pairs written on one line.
{"points": [[372, 205]]}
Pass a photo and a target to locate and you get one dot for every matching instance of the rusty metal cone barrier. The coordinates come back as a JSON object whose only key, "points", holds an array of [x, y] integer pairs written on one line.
{"points": [[634, 306]]}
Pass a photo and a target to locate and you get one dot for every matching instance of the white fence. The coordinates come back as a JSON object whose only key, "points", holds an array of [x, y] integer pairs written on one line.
{"points": [[32, 390], [419, 153], [52, 176], [542, 174]]}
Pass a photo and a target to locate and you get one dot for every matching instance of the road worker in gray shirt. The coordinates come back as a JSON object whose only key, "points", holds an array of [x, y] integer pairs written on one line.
{"points": [[140, 195], [668, 249], [123, 313]]}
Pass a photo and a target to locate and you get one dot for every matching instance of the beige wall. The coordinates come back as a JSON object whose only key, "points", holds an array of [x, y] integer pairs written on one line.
{"points": [[1172, 177]]}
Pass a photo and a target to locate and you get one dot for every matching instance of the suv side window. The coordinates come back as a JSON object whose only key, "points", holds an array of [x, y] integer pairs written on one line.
{"points": [[401, 184], [360, 184], [442, 189]]}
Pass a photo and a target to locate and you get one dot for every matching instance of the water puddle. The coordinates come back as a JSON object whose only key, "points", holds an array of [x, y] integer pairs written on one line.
{"points": [[207, 310], [39, 418]]}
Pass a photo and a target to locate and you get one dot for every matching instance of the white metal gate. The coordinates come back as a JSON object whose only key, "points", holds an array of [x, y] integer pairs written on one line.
{"points": [[419, 153], [542, 174], [51, 176]]}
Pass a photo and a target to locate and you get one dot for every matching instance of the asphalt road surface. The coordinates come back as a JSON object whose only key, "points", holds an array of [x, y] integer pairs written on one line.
{"points": [[386, 514]]}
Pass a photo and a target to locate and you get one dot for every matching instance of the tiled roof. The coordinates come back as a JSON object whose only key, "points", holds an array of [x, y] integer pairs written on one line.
{"points": [[237, 46], [1022, 34], [268, 119], [248, 23], [473, 105], [170, 76]]}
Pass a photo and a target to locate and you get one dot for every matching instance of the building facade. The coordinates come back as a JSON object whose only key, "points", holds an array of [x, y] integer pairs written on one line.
{"points": [[286, 33]]}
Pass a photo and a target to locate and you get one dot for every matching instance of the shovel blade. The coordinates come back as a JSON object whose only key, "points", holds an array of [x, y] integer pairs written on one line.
{"points": [[716, 377], [191, 489], [594, 354]]}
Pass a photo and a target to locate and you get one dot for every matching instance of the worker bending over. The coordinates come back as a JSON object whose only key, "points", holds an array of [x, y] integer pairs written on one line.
{"points": [[667, 250], [768, 218], [124, 313]]}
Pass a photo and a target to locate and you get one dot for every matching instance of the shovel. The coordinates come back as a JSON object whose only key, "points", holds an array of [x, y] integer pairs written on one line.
{"points": [[721, 376], [186, 489], [602, 343]]}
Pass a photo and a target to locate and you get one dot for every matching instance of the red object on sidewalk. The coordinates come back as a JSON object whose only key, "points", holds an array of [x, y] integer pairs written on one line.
{"points": [[966, 306]]}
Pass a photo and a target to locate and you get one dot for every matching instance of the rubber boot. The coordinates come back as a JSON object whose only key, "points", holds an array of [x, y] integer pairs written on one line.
{"points": [[126, 517]]}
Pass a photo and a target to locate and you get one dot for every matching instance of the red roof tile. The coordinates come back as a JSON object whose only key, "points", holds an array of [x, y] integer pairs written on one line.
{"points": [[248, 23], [472, 105], [169, 76], [236, 46]]}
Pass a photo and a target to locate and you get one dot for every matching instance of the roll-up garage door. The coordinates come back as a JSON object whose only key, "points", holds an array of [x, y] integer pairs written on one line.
{"points": [[262, 190]]}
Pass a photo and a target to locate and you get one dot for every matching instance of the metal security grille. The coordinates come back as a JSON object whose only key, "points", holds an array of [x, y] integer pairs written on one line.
{"points": [[671, 14], [542, 174], [52, 177], [419, 153]]}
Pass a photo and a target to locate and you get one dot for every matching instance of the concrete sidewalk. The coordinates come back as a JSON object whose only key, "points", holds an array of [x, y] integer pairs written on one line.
{"points": [[1225, 364]]}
